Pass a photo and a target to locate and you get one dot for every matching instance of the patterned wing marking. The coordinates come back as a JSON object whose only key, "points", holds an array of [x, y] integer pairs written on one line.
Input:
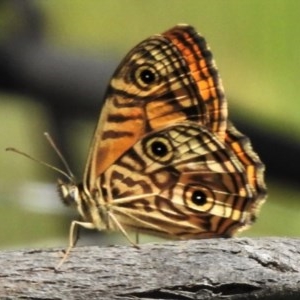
{"points": [[203, 69], [165, 79], [182, 182], [254, 168]]}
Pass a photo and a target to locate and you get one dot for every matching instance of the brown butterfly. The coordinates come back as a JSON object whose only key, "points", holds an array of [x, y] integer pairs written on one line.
{"points": [[164, 158]]}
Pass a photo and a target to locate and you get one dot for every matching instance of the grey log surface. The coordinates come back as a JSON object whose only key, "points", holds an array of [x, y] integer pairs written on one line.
{"points": [[240, 268]]}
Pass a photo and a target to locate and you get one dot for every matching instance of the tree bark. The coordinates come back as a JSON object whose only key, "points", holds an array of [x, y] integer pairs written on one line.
{"points": [[195, 269]]}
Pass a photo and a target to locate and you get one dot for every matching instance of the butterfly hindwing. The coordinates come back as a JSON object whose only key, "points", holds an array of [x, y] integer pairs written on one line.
{"points": [[181, 181]]}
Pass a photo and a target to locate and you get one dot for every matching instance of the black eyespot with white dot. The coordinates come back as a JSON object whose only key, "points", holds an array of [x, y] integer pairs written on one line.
{"points": [[145, 76], [159, 148], [198, 197]]}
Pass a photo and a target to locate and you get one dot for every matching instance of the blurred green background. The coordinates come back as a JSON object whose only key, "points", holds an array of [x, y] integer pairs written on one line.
{"points": [[256, 45]]}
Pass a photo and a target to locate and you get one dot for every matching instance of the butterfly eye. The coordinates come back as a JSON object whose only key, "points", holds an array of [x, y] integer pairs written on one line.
{"points": [[198, 197], [159, 149], [145, 76]]}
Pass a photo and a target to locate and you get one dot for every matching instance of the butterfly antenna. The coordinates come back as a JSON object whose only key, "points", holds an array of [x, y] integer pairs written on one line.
{"points": [[40, 162], [61, 157], [69, 174]]}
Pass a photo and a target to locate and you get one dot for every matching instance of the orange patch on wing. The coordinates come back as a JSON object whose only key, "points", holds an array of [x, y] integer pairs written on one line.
{"points": [[161, 114]]}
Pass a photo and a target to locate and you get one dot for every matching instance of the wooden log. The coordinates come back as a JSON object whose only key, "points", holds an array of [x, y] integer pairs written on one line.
{"points": [[241, 268]]}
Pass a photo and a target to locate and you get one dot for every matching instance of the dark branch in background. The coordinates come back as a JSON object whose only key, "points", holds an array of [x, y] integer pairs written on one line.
{"points": [[72, 86]]}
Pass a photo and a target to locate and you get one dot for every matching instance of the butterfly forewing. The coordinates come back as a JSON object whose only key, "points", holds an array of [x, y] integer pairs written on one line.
{"points": [[165, 79], [201, 66]]}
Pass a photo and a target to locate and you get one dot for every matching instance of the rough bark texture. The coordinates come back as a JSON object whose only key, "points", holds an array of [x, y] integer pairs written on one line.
{"points": [[202, 269]]}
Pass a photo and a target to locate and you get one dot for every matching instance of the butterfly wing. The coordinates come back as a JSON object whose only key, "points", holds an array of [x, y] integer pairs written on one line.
{"points": [[254, 168], [181, 181], [165, 79]]}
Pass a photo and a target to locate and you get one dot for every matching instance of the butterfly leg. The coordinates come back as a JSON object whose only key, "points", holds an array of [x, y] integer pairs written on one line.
{"points": [[73, 238], [121, 228], [137, 237]]}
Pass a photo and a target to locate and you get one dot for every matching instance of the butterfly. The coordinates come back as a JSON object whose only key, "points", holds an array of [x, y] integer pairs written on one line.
{"points": [[164, 158]]}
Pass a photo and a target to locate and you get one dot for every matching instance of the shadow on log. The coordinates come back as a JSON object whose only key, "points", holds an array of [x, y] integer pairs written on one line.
{"points": [[196, 269]]}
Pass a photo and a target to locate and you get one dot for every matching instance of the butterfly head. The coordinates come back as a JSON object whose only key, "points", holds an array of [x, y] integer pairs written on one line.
{"points": [[68, 193], [73, 195]]}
